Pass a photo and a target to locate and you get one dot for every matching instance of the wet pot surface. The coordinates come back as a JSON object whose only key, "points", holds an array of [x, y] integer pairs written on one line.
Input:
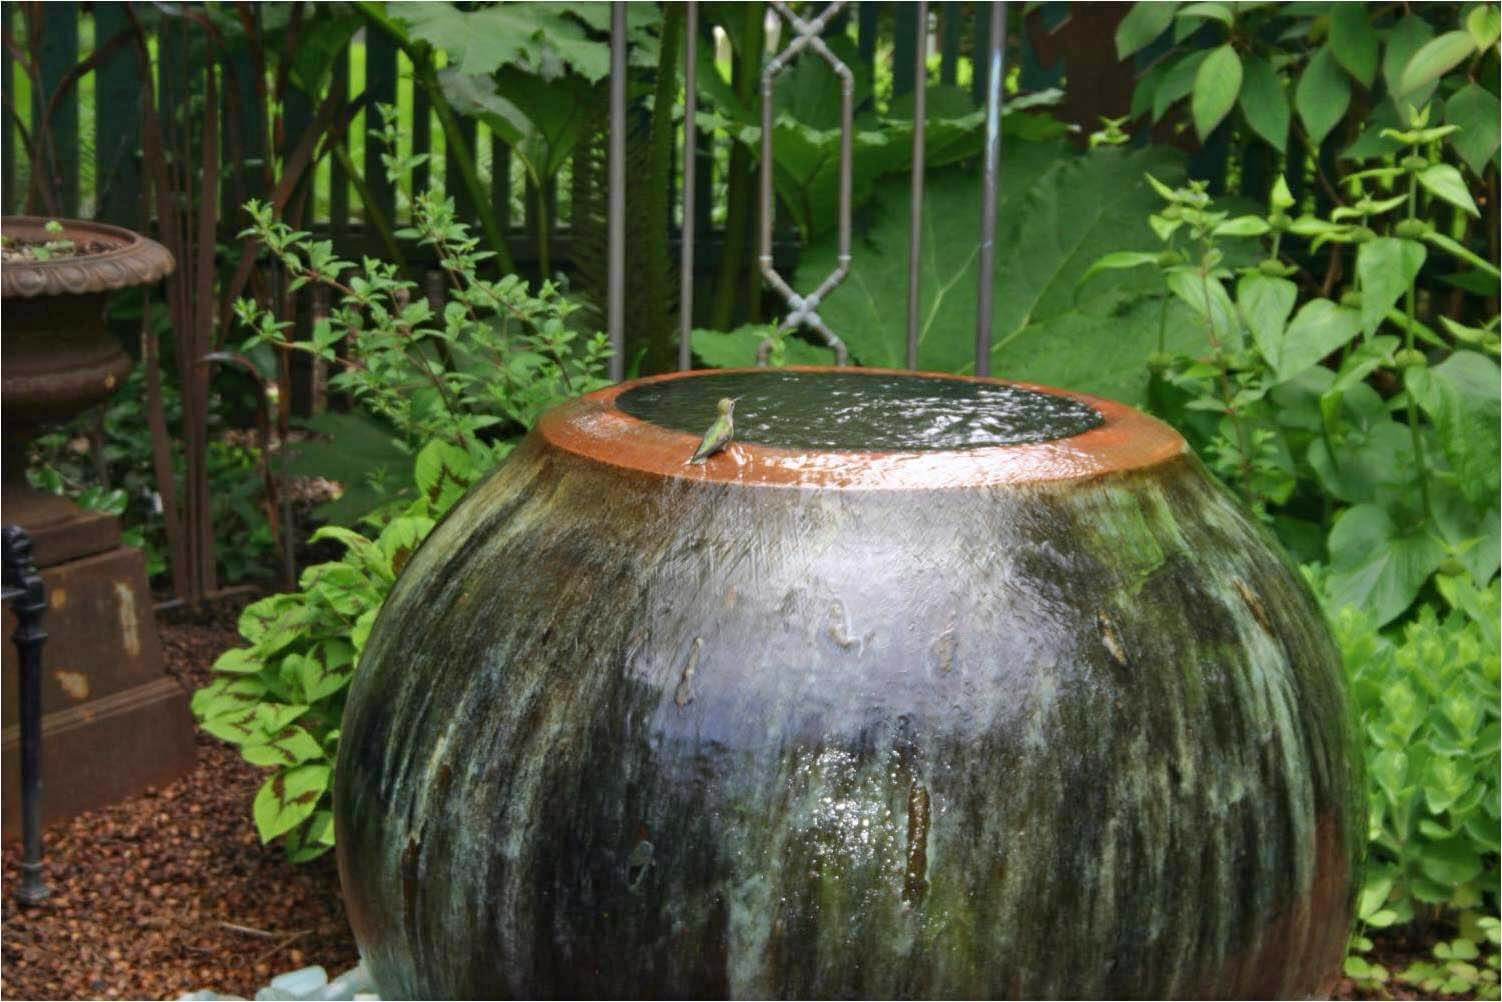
{"points": [[924, 686]]}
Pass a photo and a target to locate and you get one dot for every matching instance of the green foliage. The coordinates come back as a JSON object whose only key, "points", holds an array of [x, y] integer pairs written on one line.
{"points": [[102, 461], [280, 699], [1346, 69], [1398, 489], [450, 385], [474, 372], [1428, 706], [1058, 212]]}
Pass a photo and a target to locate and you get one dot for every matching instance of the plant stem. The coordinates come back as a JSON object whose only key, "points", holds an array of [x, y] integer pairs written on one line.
{"points": [[1413, 408], [1243, 445]]}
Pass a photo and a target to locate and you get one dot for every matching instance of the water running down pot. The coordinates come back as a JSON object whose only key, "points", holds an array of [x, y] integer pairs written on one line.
{"points": [[926, 686]]}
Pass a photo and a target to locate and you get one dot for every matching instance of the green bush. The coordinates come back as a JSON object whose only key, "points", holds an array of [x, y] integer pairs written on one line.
{"points": [[280, 699], [1428, 703], [456, 386]]}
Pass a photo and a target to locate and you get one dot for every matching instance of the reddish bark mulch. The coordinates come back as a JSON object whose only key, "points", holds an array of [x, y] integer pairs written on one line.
{"points": [[172, 891]]}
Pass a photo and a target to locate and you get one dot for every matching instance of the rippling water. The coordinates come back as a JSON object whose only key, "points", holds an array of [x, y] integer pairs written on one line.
{"points": [[855, 411]]}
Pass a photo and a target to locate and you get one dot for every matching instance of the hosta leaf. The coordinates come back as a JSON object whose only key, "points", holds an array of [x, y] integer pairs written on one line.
{"points": [[1386, 267], [1264, 102], [1216, 84], [1322, 96], [1376, 565]]}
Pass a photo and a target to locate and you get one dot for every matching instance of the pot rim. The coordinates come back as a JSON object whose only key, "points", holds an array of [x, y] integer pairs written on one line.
{"points": [[595, 428], [134, 260]]}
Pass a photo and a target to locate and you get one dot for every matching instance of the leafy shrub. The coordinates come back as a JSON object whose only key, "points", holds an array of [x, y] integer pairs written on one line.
{"points": [[1356, 69], [1428, 702], [280, 700], [454, 385], [1389, 491]]}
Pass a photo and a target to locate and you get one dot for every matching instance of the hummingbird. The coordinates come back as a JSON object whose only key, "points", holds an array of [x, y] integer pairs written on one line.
{"points": [[720, 432]]}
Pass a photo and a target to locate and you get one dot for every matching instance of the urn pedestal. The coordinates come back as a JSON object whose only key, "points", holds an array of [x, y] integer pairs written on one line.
{"points": [[925, 687], [113, 721]]}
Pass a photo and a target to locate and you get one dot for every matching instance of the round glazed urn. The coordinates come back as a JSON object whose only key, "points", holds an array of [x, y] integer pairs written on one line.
{"points": [[924, 686], [57, 357]]}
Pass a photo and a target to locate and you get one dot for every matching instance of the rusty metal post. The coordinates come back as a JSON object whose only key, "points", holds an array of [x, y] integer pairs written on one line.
{"points": [[686, 247], [915, 217], [990, 183], [27, 594], [616, 282]]}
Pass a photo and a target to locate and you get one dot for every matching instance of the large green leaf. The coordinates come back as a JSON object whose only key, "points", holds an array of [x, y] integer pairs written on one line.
{"points": [[1323, 94], [1444, 181], [1476, 110], [1264, 303], [543, 121], [1437, 57], [1386, 267], [1264, 102], [1216, 84], [1058, 214], [1177, 81], [1403, 40], [1461, 397], [1100, 351], [288, 798], [526, 34], [1354, 41], [1143, 23], [1317, 329], [1376, 565], [737, 349]]}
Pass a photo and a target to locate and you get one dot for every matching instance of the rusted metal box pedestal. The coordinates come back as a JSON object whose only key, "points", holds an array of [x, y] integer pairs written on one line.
{"points": [[113, 720]]}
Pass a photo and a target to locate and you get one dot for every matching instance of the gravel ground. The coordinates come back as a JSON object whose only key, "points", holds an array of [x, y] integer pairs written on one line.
{"points": [[172, 891]]}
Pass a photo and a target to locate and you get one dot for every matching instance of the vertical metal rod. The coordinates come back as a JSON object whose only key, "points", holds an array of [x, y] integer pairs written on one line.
{"points": [[686, 251], [616, 308], [28, 596], [990, 184], [915, 218]]}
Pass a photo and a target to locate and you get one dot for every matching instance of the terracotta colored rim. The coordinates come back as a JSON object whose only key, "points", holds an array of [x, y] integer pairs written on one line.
{"points": [[595, 428], [131, 260]]}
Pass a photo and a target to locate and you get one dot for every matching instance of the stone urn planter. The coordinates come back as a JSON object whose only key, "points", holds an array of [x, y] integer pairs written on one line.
{"points": [[924, 687], [113, 721]]}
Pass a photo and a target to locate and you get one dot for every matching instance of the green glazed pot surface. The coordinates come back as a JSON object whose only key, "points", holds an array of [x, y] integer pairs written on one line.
{"points": [[627, 732]]}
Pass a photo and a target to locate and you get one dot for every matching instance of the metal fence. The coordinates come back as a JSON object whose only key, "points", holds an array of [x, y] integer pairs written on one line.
{"points": [[95, 130]]}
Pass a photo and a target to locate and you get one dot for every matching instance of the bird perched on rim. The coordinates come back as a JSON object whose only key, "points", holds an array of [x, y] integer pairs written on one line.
{"points": [[720, 432]]}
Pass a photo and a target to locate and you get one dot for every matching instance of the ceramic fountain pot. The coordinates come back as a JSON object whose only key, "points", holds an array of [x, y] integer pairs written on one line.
{"points": [[926, 686]]}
